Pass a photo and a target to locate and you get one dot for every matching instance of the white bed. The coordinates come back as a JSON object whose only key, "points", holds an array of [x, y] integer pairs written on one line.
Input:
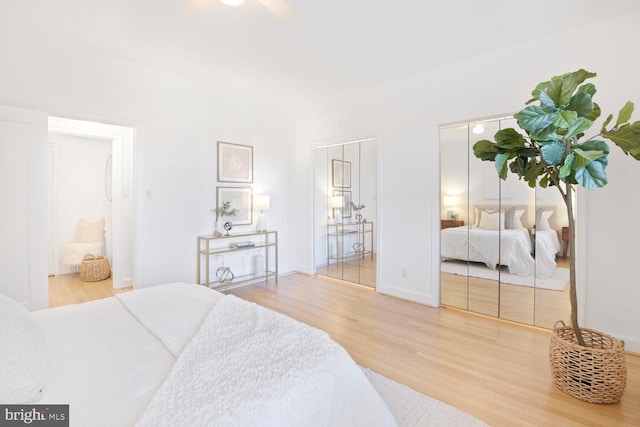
{"points": [[181, 354], [511, 247]]}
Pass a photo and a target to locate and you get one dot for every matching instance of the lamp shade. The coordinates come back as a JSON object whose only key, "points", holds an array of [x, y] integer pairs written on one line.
{"points": [[336, 202], [450, 200], [261, 202]]}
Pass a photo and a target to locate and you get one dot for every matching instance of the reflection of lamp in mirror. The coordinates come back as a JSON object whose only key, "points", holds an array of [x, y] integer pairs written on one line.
{"points": [[261, 203], [337, 203], [450, 202], [478, 129]]}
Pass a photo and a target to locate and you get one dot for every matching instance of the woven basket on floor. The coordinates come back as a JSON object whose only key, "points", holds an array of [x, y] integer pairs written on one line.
{"points": [[94, 269], [595, 373]]}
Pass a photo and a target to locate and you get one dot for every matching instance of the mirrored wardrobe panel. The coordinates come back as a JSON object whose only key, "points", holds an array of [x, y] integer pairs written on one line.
{"points": [[501, 241], [344, 225]]}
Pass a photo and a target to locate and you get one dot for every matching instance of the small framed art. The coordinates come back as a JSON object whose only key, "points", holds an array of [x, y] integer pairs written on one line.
{"points": [[241, 199], [341, 173], [235, 163]]}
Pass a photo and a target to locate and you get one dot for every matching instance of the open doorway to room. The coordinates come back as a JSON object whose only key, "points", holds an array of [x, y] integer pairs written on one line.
{"points": [[91, 207]]}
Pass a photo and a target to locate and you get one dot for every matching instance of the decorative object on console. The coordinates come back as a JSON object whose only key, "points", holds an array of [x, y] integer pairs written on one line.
{"points": [[223, 210], [261, 202], [224, 275], [341, 173], [550, 154], [235, 163], [239, 199], [228, 226], [357, 209]]}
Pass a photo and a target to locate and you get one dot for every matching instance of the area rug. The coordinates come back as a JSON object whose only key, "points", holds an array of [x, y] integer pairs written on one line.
{"points": [[557, 282], [411, 408]]}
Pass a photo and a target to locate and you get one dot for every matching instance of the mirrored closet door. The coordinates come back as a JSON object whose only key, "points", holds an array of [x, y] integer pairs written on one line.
{"points": [[344, 225], [501, 242]]}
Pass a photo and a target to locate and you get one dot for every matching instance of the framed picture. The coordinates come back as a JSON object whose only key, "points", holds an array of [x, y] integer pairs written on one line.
{"points": [[241, 199], [235, 163], [341, 173], [346, 209]]}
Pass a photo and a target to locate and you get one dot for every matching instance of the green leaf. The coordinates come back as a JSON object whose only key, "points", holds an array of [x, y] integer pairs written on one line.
{"points": [[592, 176], [535, 119], [581, 103], [546, 101], [501, 164], [583, 158], [565, 118], [625, 114], [606, 123], [596, 145], [560, 89], [485, 150], [579, 126], [544, 181], [519, 165], [567, 166], [533, 170], [540, 87], [588, 88], [553, 153], [509, 139], [595, 113], [627, 138]]}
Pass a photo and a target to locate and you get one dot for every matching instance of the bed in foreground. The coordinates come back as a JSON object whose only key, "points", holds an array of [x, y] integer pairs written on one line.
{"points": [[182, 354]]}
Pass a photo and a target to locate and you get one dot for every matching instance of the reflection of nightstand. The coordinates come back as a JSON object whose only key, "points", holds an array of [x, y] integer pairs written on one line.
{"points": [[565, 241], [449, 223]]}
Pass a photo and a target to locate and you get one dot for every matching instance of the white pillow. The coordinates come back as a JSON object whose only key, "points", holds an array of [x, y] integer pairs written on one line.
{"points": [[543, 220], [476, 217], [22, 358], [516, 222], [492, 221], [89, 231]]}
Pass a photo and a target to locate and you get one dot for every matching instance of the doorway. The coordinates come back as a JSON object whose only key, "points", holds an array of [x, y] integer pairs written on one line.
{"points": [[92, 178], [345, 211]]}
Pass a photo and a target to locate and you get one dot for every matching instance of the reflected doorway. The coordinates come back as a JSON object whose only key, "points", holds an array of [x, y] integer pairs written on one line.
{"points": [[345, 211]]}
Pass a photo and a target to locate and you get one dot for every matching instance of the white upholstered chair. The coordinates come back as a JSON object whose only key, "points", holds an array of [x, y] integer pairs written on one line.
{"points": [[89, 239]]}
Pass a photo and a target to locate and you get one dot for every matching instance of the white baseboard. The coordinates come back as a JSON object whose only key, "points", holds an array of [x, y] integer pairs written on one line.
{"points": [[406, 295]]}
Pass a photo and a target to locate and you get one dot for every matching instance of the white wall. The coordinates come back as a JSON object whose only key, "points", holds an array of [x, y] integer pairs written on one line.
{"points": [[409, 113], [177, 124], [79, 186]]}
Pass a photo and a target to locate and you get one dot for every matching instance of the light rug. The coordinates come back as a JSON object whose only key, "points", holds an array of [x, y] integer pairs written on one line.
{"points": [[411, 408], [557, 282]]}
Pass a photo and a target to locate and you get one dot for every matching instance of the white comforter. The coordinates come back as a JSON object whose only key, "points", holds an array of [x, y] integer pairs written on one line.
{"points": [[183, 354], [510, 247]]}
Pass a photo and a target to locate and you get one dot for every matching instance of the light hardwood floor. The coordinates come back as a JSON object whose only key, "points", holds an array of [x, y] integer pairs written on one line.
{"points": [[69, 289], [494, 370]]}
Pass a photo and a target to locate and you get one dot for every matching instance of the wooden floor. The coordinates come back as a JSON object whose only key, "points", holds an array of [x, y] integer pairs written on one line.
{"points": [[69, 289], [361, 270], [494, 370]]}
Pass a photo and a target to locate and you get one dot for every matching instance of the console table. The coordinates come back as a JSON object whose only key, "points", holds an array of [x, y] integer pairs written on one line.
{"points": [[340, 231], [210, 245]]}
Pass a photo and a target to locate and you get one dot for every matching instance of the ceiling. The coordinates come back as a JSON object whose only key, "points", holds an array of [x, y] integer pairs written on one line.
{"points": [[331, 47]]}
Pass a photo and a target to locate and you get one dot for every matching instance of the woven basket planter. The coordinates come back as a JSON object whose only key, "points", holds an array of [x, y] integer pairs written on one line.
{"points": [[595, 373], [94, 269]]}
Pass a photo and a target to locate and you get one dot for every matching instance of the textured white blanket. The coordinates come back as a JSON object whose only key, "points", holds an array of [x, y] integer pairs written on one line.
{"points": [[248, 366]]}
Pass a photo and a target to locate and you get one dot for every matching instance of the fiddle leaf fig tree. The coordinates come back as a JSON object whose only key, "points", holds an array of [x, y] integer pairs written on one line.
{"points": [[554, 151]]}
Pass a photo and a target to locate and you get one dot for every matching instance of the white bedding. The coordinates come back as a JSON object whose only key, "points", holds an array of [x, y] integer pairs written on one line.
{"points": [[109, 366], [510, 247]]}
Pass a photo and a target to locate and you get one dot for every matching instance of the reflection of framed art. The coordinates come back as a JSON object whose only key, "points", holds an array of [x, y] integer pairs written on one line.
{"points": [[240, 198], [341, 173], [346, 195], [235, 162]]}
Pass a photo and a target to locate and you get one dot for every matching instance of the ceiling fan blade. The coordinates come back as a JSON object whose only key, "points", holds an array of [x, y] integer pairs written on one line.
{"points": [[280, 9], [197, 6]]}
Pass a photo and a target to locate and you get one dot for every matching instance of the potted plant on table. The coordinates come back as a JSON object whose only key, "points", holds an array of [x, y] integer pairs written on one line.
{"points": [[224, 210], [586, 364], [357, 209]]}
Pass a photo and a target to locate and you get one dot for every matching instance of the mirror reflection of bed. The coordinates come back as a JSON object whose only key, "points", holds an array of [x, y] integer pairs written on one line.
{"points": [[501, 241]]}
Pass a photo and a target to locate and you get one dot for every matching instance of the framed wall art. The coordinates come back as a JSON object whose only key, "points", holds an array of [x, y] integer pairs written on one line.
{"points": [[235, 163], [341, 173], [241, 199]]}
